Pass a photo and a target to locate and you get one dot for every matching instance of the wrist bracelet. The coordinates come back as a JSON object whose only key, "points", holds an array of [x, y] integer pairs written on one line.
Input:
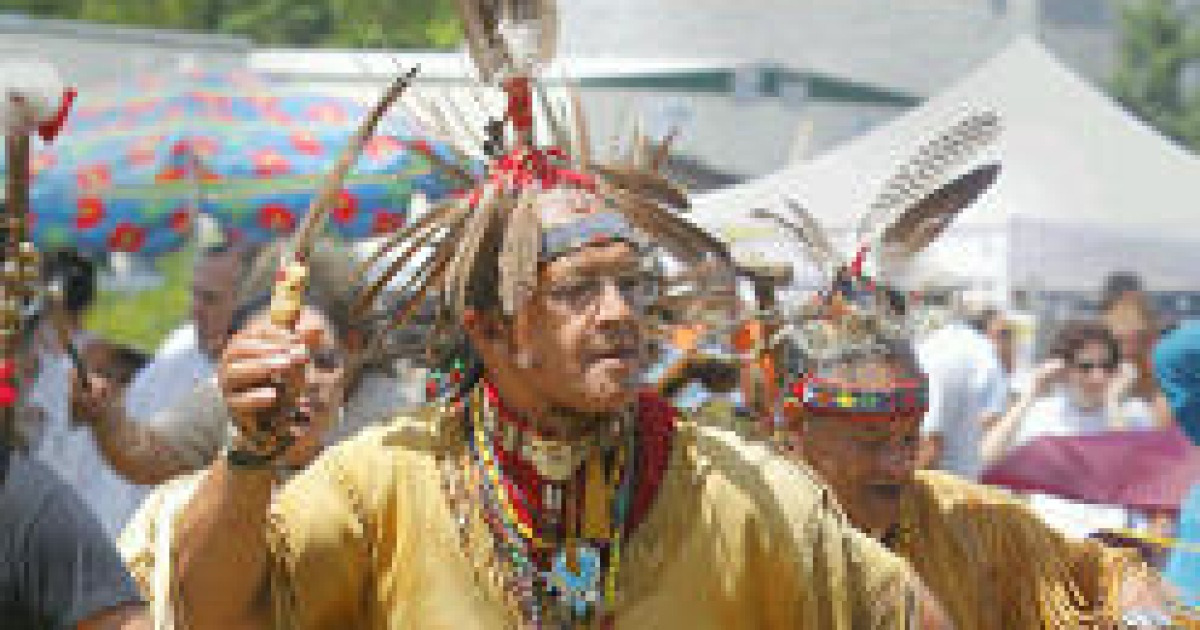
{"points": [[251, 460], [239, 458]]}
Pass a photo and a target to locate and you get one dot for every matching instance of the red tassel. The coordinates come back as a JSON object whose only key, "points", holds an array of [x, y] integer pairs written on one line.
{"points": [[8, 395], [520, 105], [856, 267], [49, 129]]}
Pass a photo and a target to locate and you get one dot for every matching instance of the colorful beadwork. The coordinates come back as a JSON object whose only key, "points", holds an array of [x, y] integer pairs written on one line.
{"points": [[556, 578], [832, 396]]}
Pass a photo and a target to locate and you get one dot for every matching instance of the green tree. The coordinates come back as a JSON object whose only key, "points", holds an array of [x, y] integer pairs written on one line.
{"points": [[340, 23], [1159, 57]]}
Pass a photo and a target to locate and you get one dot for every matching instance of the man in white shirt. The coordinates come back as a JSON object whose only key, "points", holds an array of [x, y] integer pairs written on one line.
{"points": [[66, 447], [967, 392], [187, 356]]}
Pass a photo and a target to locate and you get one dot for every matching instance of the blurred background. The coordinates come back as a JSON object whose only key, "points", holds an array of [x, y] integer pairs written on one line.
{"points": [[813, 99]]}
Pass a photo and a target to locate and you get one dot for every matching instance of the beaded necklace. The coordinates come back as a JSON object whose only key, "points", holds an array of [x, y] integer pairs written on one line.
{"points": [[563, 576]]}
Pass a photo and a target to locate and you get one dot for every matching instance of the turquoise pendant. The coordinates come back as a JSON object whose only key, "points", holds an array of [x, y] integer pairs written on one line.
{"points": [[578, 589]]}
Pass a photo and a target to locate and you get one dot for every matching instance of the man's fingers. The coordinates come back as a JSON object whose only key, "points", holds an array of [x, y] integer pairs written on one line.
{"points": [[250, 348], [253, 400], [239, 375]]}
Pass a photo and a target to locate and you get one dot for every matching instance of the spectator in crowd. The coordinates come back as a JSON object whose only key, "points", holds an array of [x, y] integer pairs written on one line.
{"points": [[187, 356], [1072, 393], [1177, 366], [58, 568], [145, 543], [61, 443], [188, 434], [75, 276], [994, 324], [1129, 314], [967, 392]]}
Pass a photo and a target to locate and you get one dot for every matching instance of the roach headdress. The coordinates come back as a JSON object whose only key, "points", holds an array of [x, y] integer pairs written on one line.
{"points": [[539, 193], [861, 313]]}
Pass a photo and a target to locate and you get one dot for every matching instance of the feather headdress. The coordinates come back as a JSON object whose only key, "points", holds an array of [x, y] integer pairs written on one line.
{"points": [[541, 190], [860, 312]]}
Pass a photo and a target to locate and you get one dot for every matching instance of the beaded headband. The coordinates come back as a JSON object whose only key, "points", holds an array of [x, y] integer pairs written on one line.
{"points": [[834, 397]]}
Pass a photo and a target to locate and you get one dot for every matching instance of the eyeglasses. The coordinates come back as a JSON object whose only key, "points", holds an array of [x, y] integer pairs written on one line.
{"points": [[639, 289]]}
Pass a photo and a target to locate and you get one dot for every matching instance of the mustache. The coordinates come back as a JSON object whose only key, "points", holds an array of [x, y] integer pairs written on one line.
{"points": [[624, 340], [887, 490]]}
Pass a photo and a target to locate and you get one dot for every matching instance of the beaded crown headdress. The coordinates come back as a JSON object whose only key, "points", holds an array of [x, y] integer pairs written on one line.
{"points": [[861, 312], [540, 192]]}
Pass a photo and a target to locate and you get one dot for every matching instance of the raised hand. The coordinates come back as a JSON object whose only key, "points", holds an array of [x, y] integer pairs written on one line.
{"points": [[259, 363]]}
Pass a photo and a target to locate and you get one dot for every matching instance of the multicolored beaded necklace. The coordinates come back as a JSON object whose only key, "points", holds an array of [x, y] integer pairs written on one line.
{"points": [[560, 536]]}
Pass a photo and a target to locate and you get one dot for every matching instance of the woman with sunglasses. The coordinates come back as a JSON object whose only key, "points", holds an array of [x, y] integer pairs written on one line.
{"points": [[1072, 393]]}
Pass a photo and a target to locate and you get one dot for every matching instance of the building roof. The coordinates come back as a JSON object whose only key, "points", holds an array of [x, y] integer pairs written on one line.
{"points": [[703, 75]]}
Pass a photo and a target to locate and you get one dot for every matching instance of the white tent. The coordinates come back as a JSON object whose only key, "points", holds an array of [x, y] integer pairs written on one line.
{"points": [[1109, 191]]}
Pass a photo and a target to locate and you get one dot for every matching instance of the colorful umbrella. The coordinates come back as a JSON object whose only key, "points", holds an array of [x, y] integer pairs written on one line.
{"points": [[135, 165], [1149, 470]]}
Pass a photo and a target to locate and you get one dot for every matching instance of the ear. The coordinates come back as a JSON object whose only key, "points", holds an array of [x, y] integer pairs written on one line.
{"points": [[483, 329]]}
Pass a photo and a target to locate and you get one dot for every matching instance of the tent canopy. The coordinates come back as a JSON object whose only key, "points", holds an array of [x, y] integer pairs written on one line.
{"points": [[1073, 159]]}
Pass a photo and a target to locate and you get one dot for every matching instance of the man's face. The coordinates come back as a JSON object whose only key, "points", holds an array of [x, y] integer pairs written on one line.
{"points": [[1000, 332], [869, 463], [586, 346], [213, 299]]}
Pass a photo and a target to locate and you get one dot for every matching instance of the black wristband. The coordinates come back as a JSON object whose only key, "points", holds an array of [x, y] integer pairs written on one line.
{"points": [[238, 458]]}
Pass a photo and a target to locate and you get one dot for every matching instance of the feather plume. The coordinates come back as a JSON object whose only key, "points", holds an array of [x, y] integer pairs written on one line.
{"points": [[663, 151], [414, 245], [31, 95], [428, 276], [583, 141], [436, 215], [332, 185], [554, 125], [817, 245], [683, 239], [927, 171], [921, 224], [817, 238], [519, 253], [474, 233], [644, 183], [509, 37]]}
